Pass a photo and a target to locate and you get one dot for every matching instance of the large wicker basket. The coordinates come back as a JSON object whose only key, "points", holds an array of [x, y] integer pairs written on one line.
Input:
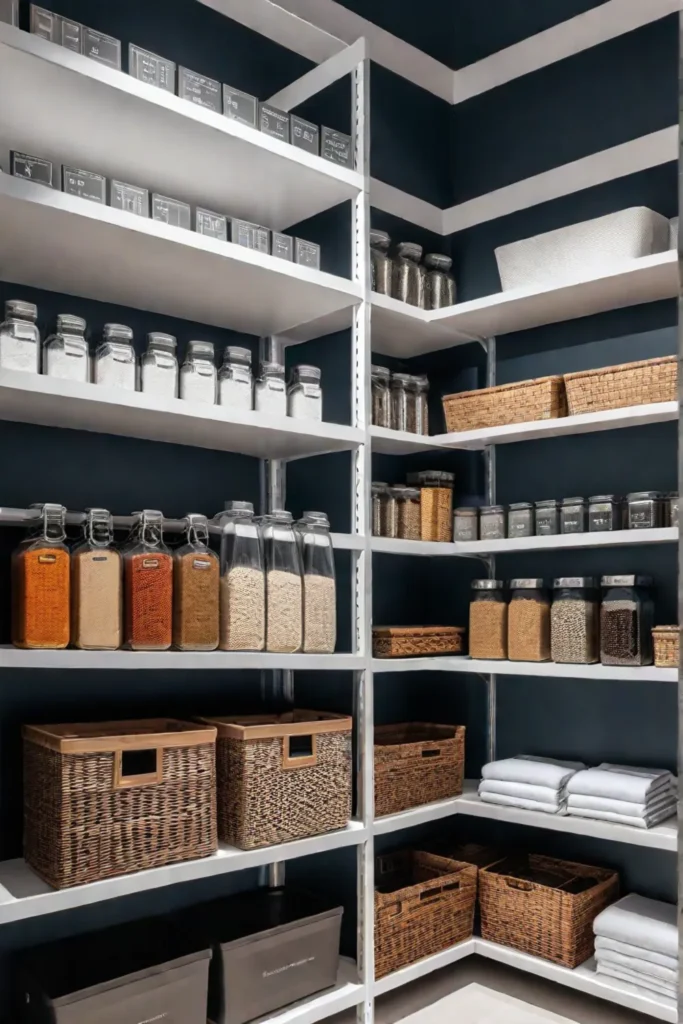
{"points": [[521, 402], [414, 641], [417, 763], [666, 641], [614, 387], [423, 904], [282, 777], [544, 906], [114, 797]]}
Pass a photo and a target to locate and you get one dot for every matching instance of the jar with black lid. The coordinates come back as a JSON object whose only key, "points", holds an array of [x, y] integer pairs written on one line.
{"points": [[488, 630], [380, 377], [573, 515], [604, 513], [547, 516], [492, 521], [626, 620], [574, 621], [528, 621], [521, 519], [381, 263], [644, 510], [409, 276]]}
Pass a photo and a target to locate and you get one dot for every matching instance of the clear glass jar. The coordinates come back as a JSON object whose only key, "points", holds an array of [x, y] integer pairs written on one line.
{"points": [[574, 621], [41, 584], [304, 393], [381, 396], [284, 626], [488, 620], [573, 515], [409, 278], [674, 505], [422, 405], [547, 518], [492, 521], [644, 510], [436, 503], [270, 394], [528, 621], [159, 366], [604, 513], [390, 510], [198, 376], [20, 337], [243, 580], [521, 519], [409, 514], [235, 380], [380, 495], [440, 281], [381, 264], [196, 572], [96, 586], [115, 361], [403, 402], [320, 590], [627, 617], [148, 581], [466, 524], [65, 353]]}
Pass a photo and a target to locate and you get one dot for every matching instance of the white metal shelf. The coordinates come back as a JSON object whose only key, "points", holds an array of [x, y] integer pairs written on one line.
{"points": [[399, 442], [141, 661], [77, 111], [346, 994], [546, 669], [423, 967], [510, 545]]}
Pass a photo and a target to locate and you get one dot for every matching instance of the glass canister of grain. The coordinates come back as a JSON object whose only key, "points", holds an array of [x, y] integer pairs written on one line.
{"points": [[644, 510], [521, 519], [381, 396], [528, 621], [270, 393], [96, 586], [159, 366], [380, 494], [20, 337], [320, 591], [409, 278], [573, 515], [547, 518], [440, 281], [409, 514], [198, 377], [381, 264], [65, 353], [148, 585], [403, 402], [626, 620], [422, 405], [284, 626], [574, 621], [243, 581], [489, 620], [466, 524], [436, 503], [492, 519], [304, 393], [604, 513], [235, 380], [115, 363], [41, 583], [196, 571]]}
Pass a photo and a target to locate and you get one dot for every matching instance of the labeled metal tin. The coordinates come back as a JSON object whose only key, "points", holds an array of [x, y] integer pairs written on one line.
{"points": [[274, 122], [213, 225], [85, 184], [283, 246], [337, 147], [251, 236], [305, 135], [240, 106], [103, 48], [32, 168], [171, 211], [307, 253], [151, 68], [206, 92], [129, 197]]}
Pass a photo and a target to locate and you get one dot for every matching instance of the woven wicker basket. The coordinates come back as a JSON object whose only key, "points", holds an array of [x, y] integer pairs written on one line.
{"points": [[522, 402], [666, 641], [114, 797], [413, 641], [614, 387], [423, 904], [528, 903], [417, 763], [282, 777]]}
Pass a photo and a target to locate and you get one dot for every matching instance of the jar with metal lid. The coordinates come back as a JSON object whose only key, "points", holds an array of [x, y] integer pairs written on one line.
{"points": [[243, 580], [521, 519], [380, 494], [115, 360], [409, 278], [644, 510], [320, 595], [270, 393], [304, 393], [547, 518], [440, 281], [422, 405], [159, 366], [20, 337], [235, 381], [403, 402], [41, 583], [604, 513], [284, 618], [492, 520], [198, 377], [574, 621], [390, 505], [148, 580], [627, 616], [65, 353], [436, 503], [488, 620], [466, 524], [196, 579], [409, 513], [96, 586], [528, 621], [381, 264], [573, 515], [381, 396]]}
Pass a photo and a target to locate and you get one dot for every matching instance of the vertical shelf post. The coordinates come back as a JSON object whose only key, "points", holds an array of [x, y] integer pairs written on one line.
{"points": [[490, 486]]}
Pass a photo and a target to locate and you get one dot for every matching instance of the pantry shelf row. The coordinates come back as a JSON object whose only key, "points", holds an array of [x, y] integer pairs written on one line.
{"points": [[558, 542]]}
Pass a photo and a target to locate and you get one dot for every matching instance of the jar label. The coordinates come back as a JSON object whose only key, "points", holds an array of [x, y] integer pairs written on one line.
{"points": [[201, 563], [74, 348], [23, 332], [164, 361], [311, 390], [47, 559], [241, 373], [150, 563]]}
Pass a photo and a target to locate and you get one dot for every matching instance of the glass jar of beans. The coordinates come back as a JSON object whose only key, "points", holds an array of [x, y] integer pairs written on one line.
{"points": [[489, 620], [574, 621], [626, 620], [528, 621], [408, 513]]}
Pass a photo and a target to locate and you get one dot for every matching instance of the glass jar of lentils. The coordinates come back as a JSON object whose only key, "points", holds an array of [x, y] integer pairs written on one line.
{"points": [[403, 402], [626, 620], [528, 621], [574, 621], [409, 513], [488, 620], [381, 396]]}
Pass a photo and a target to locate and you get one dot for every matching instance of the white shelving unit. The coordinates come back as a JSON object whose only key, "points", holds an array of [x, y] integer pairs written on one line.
{"points": [[512, 545], [546, 669], [169, 661]]}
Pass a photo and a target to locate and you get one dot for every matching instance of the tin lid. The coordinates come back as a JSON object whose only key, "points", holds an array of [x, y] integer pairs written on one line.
{"points": [[203, 349], [405, 379], [383, 372], [528, 584], [117, 332], [410, 250], [573, 501], [436, 261], [602, 498], [547, 503], [237, 354], [398, 490], [279, 515], [315, 519], [666, 629], [422, 382], [272, 370], [411, 493], [488, 584], [487, 510], [378, 487], [626, 581], [432, 477], [69, 324], [466, 510], [239, 506], [161, 340], [644, 496], [304, 370], [581, 582], [379, 240], [22, 310], [520, 506]]}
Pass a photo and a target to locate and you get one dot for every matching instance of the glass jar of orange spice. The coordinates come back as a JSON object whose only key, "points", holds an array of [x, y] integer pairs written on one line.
{"points": [[40, 583], [196, 572], [148, 578]]}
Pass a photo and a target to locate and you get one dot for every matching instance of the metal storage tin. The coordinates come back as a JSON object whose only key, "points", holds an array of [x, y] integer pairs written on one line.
{"points": [[645, 510], [604, 513], [274, 122], [240, 106], [151, 68], [205, 92], [305, 135], [547, 518], [492, 521], [214, 225], [466, 524], [573, 515], [85, 184], [337, 147], [521, 519]]}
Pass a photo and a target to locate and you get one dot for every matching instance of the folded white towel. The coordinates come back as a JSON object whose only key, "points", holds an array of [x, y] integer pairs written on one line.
{"points": [[649, 984], [536, 771], [640, 921], [526, 805], [621, 782], [649, 821], [601, 803], [632, 963], [667, 1001], [544, 794], [626, 949]]}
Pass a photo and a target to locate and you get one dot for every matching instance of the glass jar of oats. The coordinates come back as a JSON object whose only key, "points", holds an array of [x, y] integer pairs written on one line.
{"points": [[489, 620]]}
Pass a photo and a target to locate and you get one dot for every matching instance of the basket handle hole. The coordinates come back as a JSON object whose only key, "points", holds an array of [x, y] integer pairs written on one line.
{"points": [[300, 746], [431, 753], [138, 762]]}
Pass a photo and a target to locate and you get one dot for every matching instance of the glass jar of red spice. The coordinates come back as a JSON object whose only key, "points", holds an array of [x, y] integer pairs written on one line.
{"points": [[41, 583], [148, 578]]}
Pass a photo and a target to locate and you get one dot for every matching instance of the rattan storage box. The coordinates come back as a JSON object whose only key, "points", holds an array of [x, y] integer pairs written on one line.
{"points": [[614, 387], [416, 641], [521, 402], [666, 641], [417, 763], [282, 777], [108, 798]]}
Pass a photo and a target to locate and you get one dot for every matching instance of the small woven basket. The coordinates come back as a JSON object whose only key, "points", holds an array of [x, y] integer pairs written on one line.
{"points": [[423, 904], [414, 641], [521, 402], [417, 763], [614, 387], [666, 642]]}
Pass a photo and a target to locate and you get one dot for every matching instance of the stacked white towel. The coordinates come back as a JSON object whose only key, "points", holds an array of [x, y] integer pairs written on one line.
{"points": [[642, 797], [637, 943], [533, 783]]}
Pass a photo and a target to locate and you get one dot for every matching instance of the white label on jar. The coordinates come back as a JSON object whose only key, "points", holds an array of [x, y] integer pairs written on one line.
{"points": [[305, 405], [160, 382], [19, 351], [270, 400], [201, 563], [198, 387], [237, 394], [113, 372]]}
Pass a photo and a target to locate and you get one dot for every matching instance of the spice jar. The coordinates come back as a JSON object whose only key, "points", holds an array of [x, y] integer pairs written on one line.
{"points": [[409, 278], [547, 518], [270, 395], [422, 405], [198, 377], [492, 522], [159, 366], [320, 592], [96, 586], [488, 620], [20, 337], [195, 590], [65, 353], [284, 627], [148, 579], [466, 524], [381, 396], [304, 393], [626, 620], [41, 583], [381, 265], [574, 621], [440, 281], [403, 402], [436, 503], [243, 581], [380, 495], [528, 621], [521, 519], [409, 513], [644, 510], [573, 515], [235, 381], [115, 362], [604, 513]]}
